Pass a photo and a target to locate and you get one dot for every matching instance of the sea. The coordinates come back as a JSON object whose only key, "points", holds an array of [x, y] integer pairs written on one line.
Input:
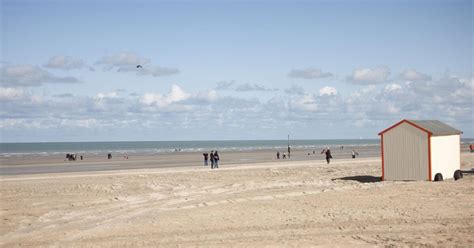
{"points": [[158, 147]]}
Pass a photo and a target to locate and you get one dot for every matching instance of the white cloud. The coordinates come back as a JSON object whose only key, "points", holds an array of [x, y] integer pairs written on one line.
{"points": [[82, 123], [392, 109], [208, 96], [128, 62], [392, 88], [17, 122], [328, 91], [295, 90], [156, 71], [11, 94], [305, 103], [175, 95], [253, 87], [112, 94], [28, 75], [65, 63], [179, 110], [124, 61], [309, 73], [64, 95], [368, 76], [413, 75]]}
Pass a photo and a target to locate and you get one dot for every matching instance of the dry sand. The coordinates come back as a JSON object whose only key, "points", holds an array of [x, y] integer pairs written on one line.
{"points": [[290, 203]]}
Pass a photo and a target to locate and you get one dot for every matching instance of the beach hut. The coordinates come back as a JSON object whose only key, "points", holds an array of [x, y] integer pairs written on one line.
{"points": [[420, 150]]}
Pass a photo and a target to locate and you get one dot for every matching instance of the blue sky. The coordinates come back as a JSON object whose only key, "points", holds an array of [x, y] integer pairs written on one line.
{"points": [[231, 69]]}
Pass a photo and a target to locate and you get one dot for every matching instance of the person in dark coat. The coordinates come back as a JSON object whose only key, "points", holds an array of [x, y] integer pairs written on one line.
{"points": [[211, 157], [354, 154], [327, 152], [216, 160], [206, 158]]}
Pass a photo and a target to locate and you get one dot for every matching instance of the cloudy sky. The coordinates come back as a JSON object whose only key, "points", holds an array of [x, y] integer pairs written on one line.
{"points": [[231, 69]]}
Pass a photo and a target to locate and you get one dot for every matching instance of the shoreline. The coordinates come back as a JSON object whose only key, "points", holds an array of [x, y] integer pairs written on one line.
{"points": [[35, 165], [187, 169], [58, 164]]}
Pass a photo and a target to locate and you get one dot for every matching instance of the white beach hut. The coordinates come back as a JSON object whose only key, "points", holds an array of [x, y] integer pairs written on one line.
{"points": [[420, 150]]}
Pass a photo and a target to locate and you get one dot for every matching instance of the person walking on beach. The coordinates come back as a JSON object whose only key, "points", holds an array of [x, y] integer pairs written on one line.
{"points": [[354, 154], [278, 155], [216, 160], [211, 157], [327, 152], [206, 158]]}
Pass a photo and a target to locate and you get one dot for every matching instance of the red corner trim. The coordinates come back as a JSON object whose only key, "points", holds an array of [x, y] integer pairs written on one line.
{"points": [[407, 121], [429, 157], [381, 150]]}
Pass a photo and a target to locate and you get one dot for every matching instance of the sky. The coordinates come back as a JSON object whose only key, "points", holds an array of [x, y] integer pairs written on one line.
{"points": [[226, 70]]}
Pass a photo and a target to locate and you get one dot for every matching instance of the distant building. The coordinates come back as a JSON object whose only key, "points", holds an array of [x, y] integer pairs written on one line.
{"points": [[419, 150]]}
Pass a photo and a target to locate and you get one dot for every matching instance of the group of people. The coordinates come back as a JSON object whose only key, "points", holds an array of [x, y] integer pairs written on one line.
{"points": [[214, 157], [326, 151], [283, 155], [72, 157]]}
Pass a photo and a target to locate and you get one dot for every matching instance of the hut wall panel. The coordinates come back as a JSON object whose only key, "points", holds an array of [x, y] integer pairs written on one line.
{"points": [[405, 153], [445, 155]]}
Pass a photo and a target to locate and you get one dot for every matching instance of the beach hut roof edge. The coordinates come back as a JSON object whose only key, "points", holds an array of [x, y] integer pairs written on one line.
{"points": [[433, 127]]}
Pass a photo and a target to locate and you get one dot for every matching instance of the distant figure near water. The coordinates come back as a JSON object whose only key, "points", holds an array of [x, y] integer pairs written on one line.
{"points": [[278, 155], [206, 158], [354, 154], [216, 160], [71, 157], [211, 157]]}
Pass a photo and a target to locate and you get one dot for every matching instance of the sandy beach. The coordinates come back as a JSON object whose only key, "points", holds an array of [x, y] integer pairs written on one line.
{"points": [[37, 164], [273, 203]]}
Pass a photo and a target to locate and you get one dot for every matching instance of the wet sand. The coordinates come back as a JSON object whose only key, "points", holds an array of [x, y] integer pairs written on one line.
{"points": [[281, 203], [57, 164]]}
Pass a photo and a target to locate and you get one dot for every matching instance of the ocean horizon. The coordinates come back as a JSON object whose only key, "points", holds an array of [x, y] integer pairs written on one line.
{"points": [[156, 147]]}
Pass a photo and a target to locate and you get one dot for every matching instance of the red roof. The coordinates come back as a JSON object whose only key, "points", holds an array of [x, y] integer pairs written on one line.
{"points": [[406, 121]]}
